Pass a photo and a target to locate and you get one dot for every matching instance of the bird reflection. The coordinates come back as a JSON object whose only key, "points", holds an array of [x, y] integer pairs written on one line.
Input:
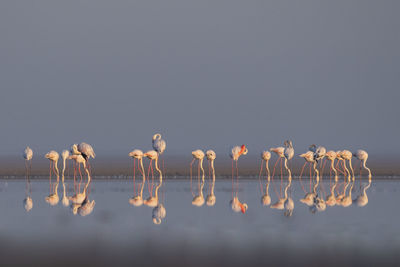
{"points": [[280, 204], [289, 203], [265, 198], [152, 201], [211, 199], [346, 201], [138, 199], [65, 200], [85, 208], [362, 199], [53, 198], [158, 213], [237, 206], [331, 199], [28, 202]]}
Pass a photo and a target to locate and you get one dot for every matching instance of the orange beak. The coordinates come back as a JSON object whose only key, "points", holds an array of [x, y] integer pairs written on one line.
{"points": [[242, 208]]}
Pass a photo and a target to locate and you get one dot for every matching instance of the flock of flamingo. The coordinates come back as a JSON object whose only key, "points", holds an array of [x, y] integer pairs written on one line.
{"points": [[316, 157]]}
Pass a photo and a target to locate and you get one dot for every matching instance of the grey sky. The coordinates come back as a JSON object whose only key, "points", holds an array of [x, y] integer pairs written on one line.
{"points": [[206, 74]]}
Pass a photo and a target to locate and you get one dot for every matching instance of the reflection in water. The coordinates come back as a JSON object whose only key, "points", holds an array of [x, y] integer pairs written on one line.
{"points": [[331, 198], [65, 200], [280, 204], [265, 198], [158, 213], [53, 198], [362, 199], [347, 200], [86, 208], [28, 202], [237, 206], [289, 203], [211, 199], [137, 155]]}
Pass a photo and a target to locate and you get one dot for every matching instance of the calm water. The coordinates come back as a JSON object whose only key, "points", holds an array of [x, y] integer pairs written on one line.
{"points": [[115, 224]]}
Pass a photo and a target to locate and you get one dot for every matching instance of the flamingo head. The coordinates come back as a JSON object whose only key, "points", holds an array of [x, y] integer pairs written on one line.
{"points": [[243, 207], [243, 150]]}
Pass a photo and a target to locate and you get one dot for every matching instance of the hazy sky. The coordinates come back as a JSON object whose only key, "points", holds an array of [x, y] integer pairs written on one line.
{"points": [[206, 74]]}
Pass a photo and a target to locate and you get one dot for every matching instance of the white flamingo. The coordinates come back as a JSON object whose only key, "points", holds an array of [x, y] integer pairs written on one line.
{"points": [[362, 155], [288, 153], [331, 156], [235, 154], [211, 156], [159, 144], [53, 156]]}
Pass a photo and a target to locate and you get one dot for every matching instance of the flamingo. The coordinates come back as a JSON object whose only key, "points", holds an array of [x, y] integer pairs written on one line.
{"points": [[158, 213], [319, 152], [197, 155], [138, 200], [235, 154], [347, 155], [28, 202], [362, 199], [288, 153], [28, 155], [79, 159], [158, 144], [266, 156], [280, 152], [211, 199], [362, 155], [64, 155], [331, 156], [53, 156], [153, 155], [340, 157], [237, 206]]}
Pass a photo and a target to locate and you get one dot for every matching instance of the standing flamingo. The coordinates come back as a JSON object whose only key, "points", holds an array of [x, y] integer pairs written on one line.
{"points": [[159, 144], [64, 155], [138, 155], [28, 154], [236, 152], [211, 199], [53, 156], [280, 152], [197, 155], [362, 155], [331, 156], [288, 153], [347, 155], [266, 156]]}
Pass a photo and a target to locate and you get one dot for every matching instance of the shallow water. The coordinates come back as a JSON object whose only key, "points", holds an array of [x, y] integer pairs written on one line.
{"points": [[114, 225]]}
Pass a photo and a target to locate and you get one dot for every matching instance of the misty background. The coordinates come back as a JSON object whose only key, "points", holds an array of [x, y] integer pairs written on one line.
{"points": [[205, 74]]}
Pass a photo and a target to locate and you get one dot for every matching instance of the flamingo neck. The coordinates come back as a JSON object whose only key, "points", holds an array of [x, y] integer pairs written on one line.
{"points": [[365, 167]]}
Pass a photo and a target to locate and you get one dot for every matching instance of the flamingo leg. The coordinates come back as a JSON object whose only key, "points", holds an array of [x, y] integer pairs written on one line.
{"points": [[301, 173], [191, 173], [134, 175], [273, 171], [80, 174], [310, 177], [232, 179], [259, 178], [281, 178], [237, 179], [148, 179]]}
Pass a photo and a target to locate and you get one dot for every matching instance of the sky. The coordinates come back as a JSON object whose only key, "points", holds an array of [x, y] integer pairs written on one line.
{"points": [[205, 74]]}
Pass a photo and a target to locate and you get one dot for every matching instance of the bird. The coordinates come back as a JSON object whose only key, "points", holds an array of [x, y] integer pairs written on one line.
{"points": [[288, 153], [347, 155], [28, 155], [331, 156], [211, 156], [235, 154], [237, 206], [53, 156], [138, 155], [153, 155], [64, 155], [79, 159], [159, 144], [280, 152], [197, 155], [86, 150], [362, 155], [319, 152], [266, 156], [362, 199], [158, 213]]}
